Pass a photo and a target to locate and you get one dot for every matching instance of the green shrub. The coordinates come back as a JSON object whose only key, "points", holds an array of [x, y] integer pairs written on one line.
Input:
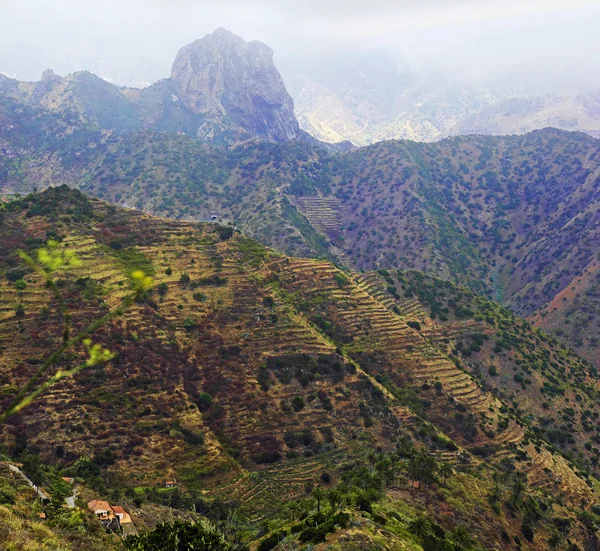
{"points": [[20, 285], [162, 289], [297, 403], [14, 274], [272, 541]]}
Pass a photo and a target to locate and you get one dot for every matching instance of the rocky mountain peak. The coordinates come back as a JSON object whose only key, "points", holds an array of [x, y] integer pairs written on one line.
{"points": [[49, 75], [222, 73]]}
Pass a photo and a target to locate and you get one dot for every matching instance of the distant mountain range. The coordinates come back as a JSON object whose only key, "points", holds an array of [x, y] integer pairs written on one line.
{"points": [[369, 97], [221, 89], [362, 97]]}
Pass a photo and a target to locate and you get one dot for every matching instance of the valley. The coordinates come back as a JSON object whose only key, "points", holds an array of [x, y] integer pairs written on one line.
{"points": [[241, 338]]}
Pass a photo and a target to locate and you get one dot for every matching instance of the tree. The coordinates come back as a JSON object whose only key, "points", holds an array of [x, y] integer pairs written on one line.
{"points": [[405, 447], [446, 470], [58, 492], [295, 508], [555, 539], [335, 499], [460, 537], [517, 488], [422, 467], [420, 527], [162, 289], [319, 495], [180, 536]]}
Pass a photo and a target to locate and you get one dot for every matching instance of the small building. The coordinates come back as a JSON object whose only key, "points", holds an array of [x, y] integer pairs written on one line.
{"points": [[101, 509], [169, 484], [113, 517], [67, 479], [123, 515], [42, 516]]}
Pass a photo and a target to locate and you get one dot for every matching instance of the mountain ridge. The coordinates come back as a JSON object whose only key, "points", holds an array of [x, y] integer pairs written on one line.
{"points": [[489, 212], [257, 372]]}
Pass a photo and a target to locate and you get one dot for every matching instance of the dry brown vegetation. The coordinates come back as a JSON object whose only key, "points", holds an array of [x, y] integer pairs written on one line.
{"points": [[249, 374]]}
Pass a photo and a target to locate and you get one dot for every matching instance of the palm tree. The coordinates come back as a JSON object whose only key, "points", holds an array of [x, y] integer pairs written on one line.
{"points": [[295, 507], [446, 470], [495, 494], [404, 447], [422, 467], [318, 494], [460, 537], [420, 527], [372, 458], [334, 498]]}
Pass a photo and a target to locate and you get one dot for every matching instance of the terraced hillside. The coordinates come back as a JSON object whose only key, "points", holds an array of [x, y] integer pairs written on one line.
{"points": [[511, 217], [252, 377], [526, 369]]}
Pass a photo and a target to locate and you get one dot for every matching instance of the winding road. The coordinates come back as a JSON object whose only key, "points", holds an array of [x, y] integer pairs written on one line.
{"points": [[70, 500]]}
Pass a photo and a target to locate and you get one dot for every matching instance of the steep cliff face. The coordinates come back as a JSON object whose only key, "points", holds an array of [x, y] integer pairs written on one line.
{"points": [[223, 76]]}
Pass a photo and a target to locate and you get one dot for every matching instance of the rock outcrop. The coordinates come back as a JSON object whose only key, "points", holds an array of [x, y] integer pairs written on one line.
{"points": [[223, 74]]}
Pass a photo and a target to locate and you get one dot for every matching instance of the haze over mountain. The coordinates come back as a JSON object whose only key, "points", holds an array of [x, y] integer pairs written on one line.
{"points": [[465, 67], [367, 97]]}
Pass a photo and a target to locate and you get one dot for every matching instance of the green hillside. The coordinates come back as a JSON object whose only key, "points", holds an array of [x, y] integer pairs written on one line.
{"points": [[252, 378]]}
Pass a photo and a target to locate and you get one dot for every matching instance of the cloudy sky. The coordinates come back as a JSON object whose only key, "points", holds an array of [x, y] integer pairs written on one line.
{"points": [[135, 41]]}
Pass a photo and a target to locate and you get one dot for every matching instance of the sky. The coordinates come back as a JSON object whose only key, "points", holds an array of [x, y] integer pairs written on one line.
{"points": [[134, 42]]}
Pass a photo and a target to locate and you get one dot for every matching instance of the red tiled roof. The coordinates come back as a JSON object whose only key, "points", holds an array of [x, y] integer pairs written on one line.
{"points": [[118, 510], [97, 505]]}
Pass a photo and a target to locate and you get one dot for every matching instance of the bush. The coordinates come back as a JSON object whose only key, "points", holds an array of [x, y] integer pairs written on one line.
{"points": [[297, 403], [189, 324], [20, 285], [527, 532], [205, 401], [215, 280], [200, 297], [225, 232], [162, 289], [179, 536], [184, 279], [14, 274], [271, 541]]}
